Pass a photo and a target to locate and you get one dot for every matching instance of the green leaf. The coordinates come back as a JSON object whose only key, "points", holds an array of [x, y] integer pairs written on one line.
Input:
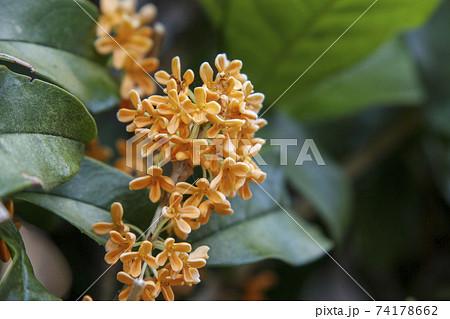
{"points": [[19, 282], [86, 199], [279, 40], [87, 80], [38, 34], [324, 186], [42, 131], [388, 76], [431, 53], [259, 229], [59, 24]]}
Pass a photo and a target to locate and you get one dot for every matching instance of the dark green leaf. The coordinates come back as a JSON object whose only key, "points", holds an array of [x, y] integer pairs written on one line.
{"points": [[54, 39], [19, 282], [279, 40], [259, 229], [87, 80], [324, 186], [388, 76], [42, 131], [86, 199], [59, 24]]}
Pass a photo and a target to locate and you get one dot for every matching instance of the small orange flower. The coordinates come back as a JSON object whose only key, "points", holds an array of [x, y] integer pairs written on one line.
{"points": [[119, 246], [155, 180], [165, 282], [180, 215], [87, 298], [126, 115], [103, 228], [253, 100], [151, 117], [182, 84], [187, 149], [231, 176], [130, 281], [137, 76], [97, 151], [171, 251], [136, 41], [175, 112], [200, 108], [226, 126], [191, 263], [208, 206], [198, 192], [132, 261]]}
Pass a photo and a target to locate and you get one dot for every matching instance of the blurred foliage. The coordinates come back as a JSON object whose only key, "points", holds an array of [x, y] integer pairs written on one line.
{"points": [[19, 282], [280, 40]]}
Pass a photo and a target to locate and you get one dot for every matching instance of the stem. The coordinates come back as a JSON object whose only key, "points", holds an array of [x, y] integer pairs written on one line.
{"points": [[361, 161], [136, 229], [180, 173]]}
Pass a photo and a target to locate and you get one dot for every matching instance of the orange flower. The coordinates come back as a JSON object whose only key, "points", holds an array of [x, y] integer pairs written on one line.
{"points": [[171, 252], [132, 261], [175, 112], [129, 39], [87, 298], [151, 117], [208, 206], [226, 126], [97, 151], [119, 246], [182, 84], [203, 189], [237, 110], [187, 149], [165, 282], [179, 215], [5, 255], [103, 228], [191, 263], [137, 76], [155, 180], [253, 100], [255, 176], [231, 176], [112, 15], [127, 115], [130, 281], [199, 110]]}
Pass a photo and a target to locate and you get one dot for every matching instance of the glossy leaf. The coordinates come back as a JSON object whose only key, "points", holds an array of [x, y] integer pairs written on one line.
{"points": [[59, 24], [54, 39], [19, 281], [388, 77], [42, 131], [86, 199], [260, 229], [324, 186], [87, 80], [279, 40]]}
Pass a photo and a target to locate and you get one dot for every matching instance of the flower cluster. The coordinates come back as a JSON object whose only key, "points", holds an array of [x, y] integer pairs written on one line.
{"points": [[125, 32], [211, 127]]}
